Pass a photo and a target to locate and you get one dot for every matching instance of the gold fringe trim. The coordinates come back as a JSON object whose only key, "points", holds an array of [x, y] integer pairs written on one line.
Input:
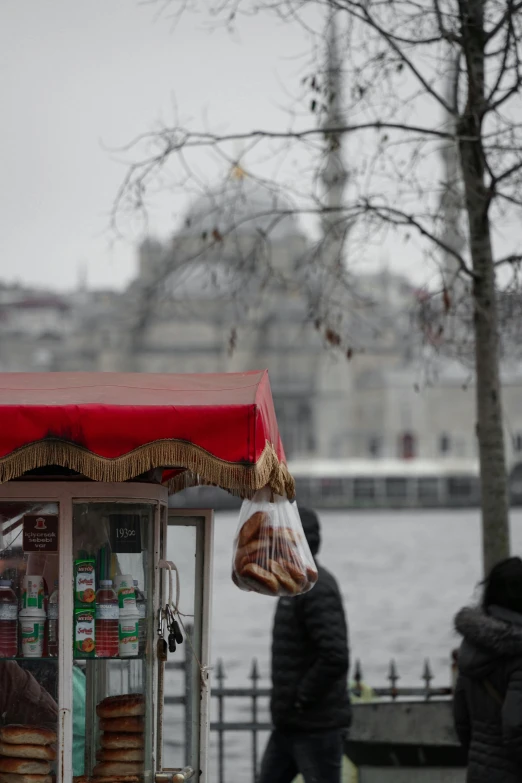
{"points": [[201, 467], [280, 481]]}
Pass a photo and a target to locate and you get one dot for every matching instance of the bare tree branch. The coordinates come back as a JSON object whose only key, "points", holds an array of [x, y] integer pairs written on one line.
{"points": [[512, 259], [401, 54]]}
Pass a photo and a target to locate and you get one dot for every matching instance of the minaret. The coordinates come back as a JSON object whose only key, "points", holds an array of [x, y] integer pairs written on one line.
{"points": [[451, 200], [332, 380], [334, 174]]}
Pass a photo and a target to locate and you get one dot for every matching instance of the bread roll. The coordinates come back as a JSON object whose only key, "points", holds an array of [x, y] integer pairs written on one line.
{"points": [[27, 735], [24, 766], [283, 577], [263, 577], [121, 706], [111, 741], [107, 768], [8, 777], [311, 575], [250, 529], [123, 754], [119, 725], [44, 752]]}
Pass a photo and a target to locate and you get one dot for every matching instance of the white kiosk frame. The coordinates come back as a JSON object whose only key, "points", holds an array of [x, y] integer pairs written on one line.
{"points": [[65, 493]]}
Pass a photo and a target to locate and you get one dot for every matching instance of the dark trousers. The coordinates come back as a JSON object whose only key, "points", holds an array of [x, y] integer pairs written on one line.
{"points": [[317, 756]]}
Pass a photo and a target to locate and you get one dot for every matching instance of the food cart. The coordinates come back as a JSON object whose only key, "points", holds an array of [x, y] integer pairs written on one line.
{"points": [[93, 562]]}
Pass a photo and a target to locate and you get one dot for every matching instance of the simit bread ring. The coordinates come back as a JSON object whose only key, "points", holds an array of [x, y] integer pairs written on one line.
{"points": [[262, 577], [250, 529], [123, 754], [261, 558], [129, 705], [281, 540], [234, 578], [297, 574], [24, 766], [44, 752], [27, 735], [113, 741], [283, 535], [13, 777], [283, 577], [116, 768], [250, 548], [122, 725]]}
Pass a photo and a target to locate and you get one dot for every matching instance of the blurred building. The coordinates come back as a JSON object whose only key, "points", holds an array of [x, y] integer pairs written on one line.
{"points": [[34, 327], [39, 328], [389, 400]]}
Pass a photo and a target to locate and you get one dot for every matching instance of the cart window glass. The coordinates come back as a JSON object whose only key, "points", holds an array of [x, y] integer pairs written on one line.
{"points": [[184, 698], [29, 541], [112, 638]]}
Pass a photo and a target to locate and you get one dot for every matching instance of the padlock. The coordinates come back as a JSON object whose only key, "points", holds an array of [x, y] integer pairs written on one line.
{"points": [[177, 632], [161, 649]]}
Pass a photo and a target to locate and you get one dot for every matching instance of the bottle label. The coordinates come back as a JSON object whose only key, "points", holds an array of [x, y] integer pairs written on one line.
{"points": [[32, 633], [52, 612], [142, 611], [128, 632], [85, 592], [8, 612], [33, 592], [107, 612], [127, 598], [84, 645]]}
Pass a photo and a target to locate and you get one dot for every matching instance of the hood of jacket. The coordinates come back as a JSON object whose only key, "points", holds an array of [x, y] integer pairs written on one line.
{"points": [[489, 637], [312, 529]]}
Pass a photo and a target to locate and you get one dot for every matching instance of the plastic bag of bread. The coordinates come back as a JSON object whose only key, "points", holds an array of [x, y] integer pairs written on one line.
{"points": [[271, 553]]}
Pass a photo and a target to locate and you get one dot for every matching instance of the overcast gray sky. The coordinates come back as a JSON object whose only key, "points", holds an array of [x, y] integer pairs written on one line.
{"points": [[78, 76], [79, 79]]}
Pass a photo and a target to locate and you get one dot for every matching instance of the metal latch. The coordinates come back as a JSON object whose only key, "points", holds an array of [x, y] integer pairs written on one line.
{"points": [[174, 776]]}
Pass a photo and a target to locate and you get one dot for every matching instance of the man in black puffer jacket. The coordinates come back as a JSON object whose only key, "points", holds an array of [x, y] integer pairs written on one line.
{"points": [[310, 704], [488, 695]]}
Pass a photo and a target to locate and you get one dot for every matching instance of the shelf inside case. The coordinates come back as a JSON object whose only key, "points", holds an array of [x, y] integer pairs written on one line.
{"points": [[113, 633]]}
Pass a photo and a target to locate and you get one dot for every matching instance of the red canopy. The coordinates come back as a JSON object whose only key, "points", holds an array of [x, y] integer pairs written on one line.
{"points": [[219, 429]]}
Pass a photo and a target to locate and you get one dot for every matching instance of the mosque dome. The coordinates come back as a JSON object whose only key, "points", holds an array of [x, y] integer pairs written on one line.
{"points": [[241, 206]]}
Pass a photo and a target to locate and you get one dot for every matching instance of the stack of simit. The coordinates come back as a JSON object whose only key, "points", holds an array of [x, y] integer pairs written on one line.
{"points": [[121, 755], [26, 754]]}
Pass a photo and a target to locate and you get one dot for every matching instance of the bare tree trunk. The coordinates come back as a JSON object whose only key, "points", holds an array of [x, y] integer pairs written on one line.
{"points": [[495, 509]]}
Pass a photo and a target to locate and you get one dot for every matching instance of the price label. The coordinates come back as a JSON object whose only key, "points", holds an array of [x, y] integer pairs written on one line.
{"points": [[125, 533]]}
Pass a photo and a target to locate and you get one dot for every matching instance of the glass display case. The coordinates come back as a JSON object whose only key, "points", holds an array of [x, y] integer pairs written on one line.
{"points": [[85, 575]]}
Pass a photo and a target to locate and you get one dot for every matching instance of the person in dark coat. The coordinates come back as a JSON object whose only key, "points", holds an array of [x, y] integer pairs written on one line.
{"points": [[488, 694], [310, 704], [23, 699]]}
